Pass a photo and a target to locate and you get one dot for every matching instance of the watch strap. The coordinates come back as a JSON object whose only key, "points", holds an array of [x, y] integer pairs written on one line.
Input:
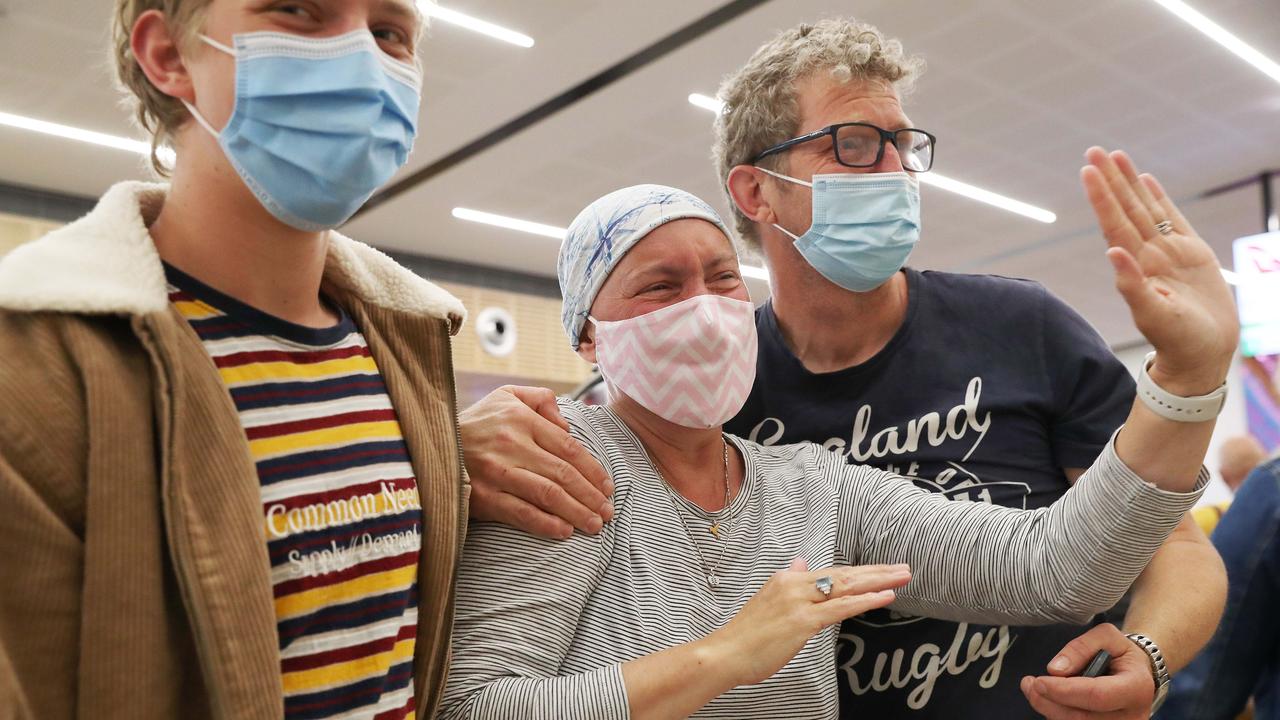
{"points": [[1175, 407], [1159, 669]]}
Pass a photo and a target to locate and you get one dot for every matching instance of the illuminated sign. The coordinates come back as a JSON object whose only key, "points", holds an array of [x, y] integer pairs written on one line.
{"points": [[1257, 263]]}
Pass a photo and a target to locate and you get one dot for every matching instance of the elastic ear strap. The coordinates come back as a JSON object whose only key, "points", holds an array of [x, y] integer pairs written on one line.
{"points": [[780, 176], [787, 232], [214, 43], [200, 119]]}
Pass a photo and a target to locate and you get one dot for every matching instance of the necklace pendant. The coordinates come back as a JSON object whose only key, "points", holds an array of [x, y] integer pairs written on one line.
{"points": [[714, 530], [713, 581]]}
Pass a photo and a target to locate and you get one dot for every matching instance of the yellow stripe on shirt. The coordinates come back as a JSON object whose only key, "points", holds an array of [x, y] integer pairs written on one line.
{"points": [[311, 439], [285, 371], [350, 591], [350, 671], [196, 309]]}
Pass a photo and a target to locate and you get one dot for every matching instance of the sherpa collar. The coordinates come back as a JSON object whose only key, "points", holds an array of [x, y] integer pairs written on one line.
{"points": [[106, 264]]}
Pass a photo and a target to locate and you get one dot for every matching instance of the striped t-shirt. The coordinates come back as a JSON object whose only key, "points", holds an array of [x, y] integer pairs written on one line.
{"points": [[341, 512], [543, 627]]}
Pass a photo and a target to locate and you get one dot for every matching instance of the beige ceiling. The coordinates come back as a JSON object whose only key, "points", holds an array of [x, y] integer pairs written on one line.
{"points": [[1016, 90]]}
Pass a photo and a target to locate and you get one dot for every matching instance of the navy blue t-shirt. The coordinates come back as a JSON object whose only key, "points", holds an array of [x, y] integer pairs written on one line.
{"points": [[988, 390]]}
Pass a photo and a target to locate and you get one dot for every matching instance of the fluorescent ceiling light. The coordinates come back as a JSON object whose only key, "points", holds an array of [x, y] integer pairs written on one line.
{"points": [[706, 102], [510, 223], [1218, 34], [942, 182], [558, 233], [483, 27], [973, 192], [68, 132]]}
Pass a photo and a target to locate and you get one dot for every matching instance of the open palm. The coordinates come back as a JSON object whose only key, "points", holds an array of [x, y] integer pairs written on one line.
{"points": [[1171, 280]]}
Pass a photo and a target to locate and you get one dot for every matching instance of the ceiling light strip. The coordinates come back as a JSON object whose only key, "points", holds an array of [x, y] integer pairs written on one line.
{"points": [[973, 192], [510, 223], [558, 233], [74, 133], [473, 24], [706, 102], [1220, 35], [67, 132]]}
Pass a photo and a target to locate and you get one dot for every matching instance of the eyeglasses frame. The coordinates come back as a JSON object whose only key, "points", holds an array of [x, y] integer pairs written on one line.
{"points": [[886, 136]]}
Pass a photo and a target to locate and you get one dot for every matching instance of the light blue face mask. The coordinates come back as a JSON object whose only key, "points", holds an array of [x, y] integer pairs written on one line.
{"points": [[319, 123], [865, 226]]}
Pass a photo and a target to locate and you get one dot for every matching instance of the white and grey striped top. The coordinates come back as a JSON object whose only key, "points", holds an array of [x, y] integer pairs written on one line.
{"points": [[543, 626]]}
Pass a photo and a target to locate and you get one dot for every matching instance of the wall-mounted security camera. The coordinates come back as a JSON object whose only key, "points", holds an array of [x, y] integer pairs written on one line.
{"points": [[497, 331]]}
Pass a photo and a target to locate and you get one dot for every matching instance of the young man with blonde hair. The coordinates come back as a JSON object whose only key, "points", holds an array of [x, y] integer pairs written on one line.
{"points": [[228, 447]]}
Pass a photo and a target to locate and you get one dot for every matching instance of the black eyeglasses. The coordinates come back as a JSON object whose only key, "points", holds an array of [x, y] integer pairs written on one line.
{"points": [[861, 145]]}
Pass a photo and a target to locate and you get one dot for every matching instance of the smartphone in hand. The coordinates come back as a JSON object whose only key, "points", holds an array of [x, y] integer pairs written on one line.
{"points": [[1098, 665]]}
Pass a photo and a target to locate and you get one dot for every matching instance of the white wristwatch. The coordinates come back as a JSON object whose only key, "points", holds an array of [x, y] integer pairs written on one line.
{"points": [[1175, 407], [1159, 671]]}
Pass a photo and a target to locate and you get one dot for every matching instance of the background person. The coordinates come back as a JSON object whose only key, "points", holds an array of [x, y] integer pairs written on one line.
{"points": [[1243, 658], [1237, 457]]}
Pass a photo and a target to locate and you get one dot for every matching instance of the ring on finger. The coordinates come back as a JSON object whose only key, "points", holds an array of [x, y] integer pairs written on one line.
{"points": [[824, 585], [1164, 227]]}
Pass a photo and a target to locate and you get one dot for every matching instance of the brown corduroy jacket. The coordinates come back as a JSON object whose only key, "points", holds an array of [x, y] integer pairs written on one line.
{"points": [[134, 577]]}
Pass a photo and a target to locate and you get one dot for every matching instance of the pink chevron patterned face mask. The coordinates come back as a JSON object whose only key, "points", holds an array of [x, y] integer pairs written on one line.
{"points": [[692, 363]]}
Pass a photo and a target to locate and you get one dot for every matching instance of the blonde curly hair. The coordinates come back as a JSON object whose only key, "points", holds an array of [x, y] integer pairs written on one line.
{"points": [[760, 98], [158, 113]]}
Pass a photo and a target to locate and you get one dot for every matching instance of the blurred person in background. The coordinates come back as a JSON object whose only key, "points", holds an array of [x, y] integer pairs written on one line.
{"points": [[978, 387], [228, 459], [1242, 661], [1237, 457]]}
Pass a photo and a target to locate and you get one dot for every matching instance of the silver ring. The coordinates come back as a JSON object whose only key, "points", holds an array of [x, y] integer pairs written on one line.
{"points": [[1164, 227], [824, 585]]}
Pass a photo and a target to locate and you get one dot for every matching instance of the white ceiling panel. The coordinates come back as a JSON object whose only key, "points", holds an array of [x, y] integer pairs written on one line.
{"points": [[1016, 90]]}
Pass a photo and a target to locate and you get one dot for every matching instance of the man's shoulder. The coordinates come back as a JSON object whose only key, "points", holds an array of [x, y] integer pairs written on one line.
{"points": [[981, 288]]}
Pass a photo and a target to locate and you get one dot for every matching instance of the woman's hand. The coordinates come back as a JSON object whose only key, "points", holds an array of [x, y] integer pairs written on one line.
{"points": [[1171, 280], [775, 624]]}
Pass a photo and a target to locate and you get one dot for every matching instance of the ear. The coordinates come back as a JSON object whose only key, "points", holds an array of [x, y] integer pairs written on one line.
{"points": [[587, 342], [157, 53], [746, 187]]}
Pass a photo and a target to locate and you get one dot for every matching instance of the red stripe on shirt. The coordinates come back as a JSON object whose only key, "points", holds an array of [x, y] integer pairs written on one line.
{"points": [[300, 357], [320, 423]]}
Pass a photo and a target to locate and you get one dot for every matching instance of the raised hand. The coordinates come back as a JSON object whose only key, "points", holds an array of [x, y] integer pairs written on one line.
{"points": [[1166, 273]]}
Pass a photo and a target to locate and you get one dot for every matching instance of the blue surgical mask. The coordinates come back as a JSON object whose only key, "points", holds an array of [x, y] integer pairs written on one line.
{"points": [[865, 226], [319, 123]]}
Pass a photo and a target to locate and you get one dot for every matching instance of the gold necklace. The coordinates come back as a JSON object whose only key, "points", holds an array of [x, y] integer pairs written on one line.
{"points": [[713, 580]]}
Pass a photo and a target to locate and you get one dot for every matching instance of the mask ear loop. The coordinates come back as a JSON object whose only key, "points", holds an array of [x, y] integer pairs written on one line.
{"points": [[191, 108], [200, 119], [788, 178]]}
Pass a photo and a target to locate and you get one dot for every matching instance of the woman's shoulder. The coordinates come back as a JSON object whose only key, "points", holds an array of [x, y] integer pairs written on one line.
{"points": [[592, 425]]}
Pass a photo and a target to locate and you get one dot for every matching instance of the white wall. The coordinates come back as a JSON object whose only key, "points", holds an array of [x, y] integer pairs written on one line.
{"points": [[1231, 422]]}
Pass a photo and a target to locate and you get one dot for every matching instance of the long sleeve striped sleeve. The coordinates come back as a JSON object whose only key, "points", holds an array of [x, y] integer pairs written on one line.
{"points": [[977, 562]]}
